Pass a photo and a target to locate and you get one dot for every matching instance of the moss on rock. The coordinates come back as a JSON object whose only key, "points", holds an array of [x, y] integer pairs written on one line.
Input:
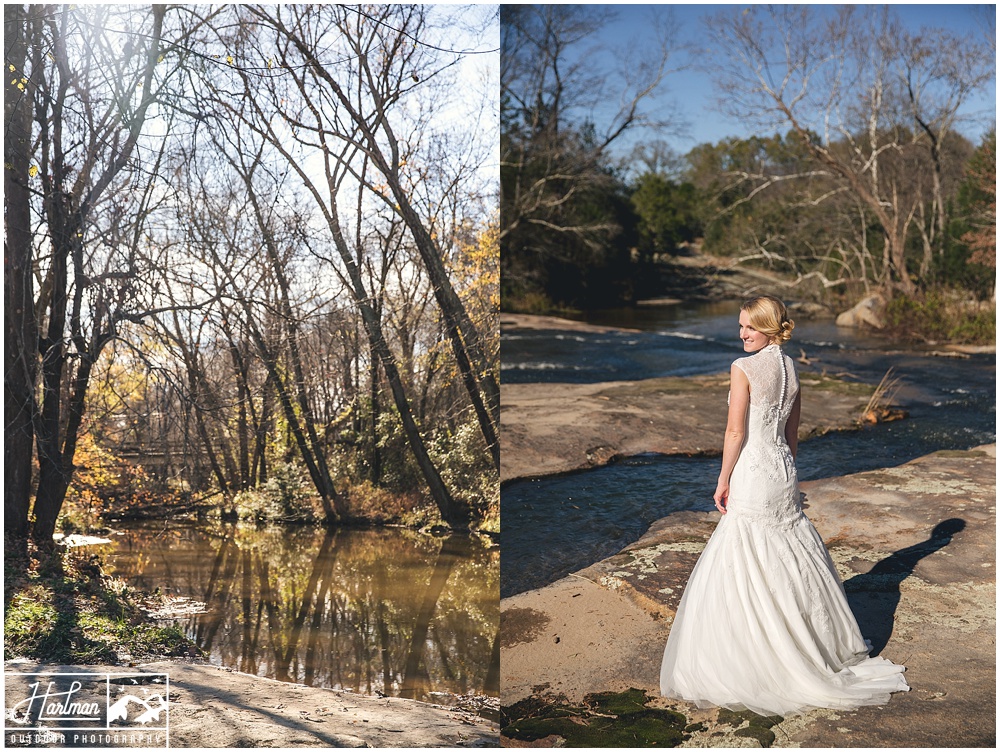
{"points": [[604, 719], [750, 725]]}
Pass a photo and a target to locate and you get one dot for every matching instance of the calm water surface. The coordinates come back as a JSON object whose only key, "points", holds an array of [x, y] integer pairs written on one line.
{"points": [[554, 526], [368, 610]]}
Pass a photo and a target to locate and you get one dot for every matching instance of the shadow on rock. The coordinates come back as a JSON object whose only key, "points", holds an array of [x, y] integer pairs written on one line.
{"points": [[874, 596]]}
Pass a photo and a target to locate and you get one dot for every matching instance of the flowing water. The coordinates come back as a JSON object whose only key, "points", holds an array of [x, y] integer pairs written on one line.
{"points": [[553, 526], [385, 611]]}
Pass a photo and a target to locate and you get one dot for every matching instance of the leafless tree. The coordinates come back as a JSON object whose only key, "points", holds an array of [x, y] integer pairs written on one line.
{"points": [[549, 89], [232, 255], [860, 92], [92, 76], [338, 142]]}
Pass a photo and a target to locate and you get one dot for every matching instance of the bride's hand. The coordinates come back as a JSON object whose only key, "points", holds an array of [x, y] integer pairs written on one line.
{"points": [[721, 496]]}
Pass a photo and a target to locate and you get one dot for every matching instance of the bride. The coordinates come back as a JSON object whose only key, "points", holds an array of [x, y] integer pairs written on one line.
{"points": [[764, 623]]}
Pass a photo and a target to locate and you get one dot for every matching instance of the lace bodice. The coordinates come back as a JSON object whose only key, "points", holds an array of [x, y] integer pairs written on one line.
{"points": [[774, 383], [764, 481]]}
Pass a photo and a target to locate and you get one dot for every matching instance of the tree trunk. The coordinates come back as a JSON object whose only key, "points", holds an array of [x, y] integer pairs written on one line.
{"points": [[896, 243], [54, 471], [376, 454], [20, 326], [263, 428], [242, 428], [55, 475]]}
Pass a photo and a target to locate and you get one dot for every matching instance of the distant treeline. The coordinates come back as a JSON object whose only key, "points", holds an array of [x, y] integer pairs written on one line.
{"points": [[890, 197]]}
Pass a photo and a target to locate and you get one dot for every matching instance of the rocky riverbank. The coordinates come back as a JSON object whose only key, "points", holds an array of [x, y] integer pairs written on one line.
{"points": [[915, 545], [592, 424]]}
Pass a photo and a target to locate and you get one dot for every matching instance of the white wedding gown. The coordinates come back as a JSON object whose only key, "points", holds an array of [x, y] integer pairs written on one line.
{"points": [[764, 623]]}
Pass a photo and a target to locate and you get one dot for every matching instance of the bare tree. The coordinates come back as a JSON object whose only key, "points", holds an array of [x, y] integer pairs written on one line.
{"points": [[340, 142], [941, 72], [389, 65], [858, 91], [212, 242], [92, 89], [547, 94]]}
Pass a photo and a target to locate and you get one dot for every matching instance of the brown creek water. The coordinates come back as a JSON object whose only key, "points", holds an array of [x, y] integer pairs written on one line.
{"points": [[373, 611]]}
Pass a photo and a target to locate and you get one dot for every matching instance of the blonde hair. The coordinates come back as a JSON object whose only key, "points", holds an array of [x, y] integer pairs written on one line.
{"points": [[769, 316]]}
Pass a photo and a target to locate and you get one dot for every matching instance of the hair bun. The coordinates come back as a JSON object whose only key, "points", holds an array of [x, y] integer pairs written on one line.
{"points": [[786, 331]]}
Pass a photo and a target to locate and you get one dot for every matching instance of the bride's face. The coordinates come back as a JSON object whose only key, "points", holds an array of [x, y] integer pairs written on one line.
{"points": [[752, 339]]}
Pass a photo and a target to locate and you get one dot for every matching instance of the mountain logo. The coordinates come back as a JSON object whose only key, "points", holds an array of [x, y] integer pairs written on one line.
{"points": [[119, 711]]}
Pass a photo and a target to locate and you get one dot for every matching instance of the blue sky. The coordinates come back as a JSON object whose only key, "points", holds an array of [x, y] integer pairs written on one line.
{"points": [[691, 92]]}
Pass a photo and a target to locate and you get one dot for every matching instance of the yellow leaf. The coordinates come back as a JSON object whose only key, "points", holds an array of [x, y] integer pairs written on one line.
{"points": [[229, 59], [32, 171], [21, 87], [12, 68]]}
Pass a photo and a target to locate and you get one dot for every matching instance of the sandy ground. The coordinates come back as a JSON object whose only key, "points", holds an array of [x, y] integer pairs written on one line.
{"points": [[215, 707], [930, 605], [554, 428]]}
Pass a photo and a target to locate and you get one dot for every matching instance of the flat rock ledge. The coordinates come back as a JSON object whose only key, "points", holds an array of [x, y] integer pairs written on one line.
{"points": [[547, 429], [510, 321], [915, 546], [216, 707]]}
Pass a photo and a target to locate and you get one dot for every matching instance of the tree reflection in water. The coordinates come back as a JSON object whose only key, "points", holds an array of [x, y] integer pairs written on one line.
{"points": [[368, 610]]}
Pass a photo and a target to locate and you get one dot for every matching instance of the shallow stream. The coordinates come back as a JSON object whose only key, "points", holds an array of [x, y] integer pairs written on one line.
{"points": [[554, 526], [387, 611]]}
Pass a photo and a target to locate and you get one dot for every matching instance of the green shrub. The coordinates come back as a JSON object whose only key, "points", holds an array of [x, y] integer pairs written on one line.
{"points": [[466, 467], [399, 469], [937, 316], [288, 495]]}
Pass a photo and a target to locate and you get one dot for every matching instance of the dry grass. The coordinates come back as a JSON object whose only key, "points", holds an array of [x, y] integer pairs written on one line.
{"points": [[879, 407]]}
